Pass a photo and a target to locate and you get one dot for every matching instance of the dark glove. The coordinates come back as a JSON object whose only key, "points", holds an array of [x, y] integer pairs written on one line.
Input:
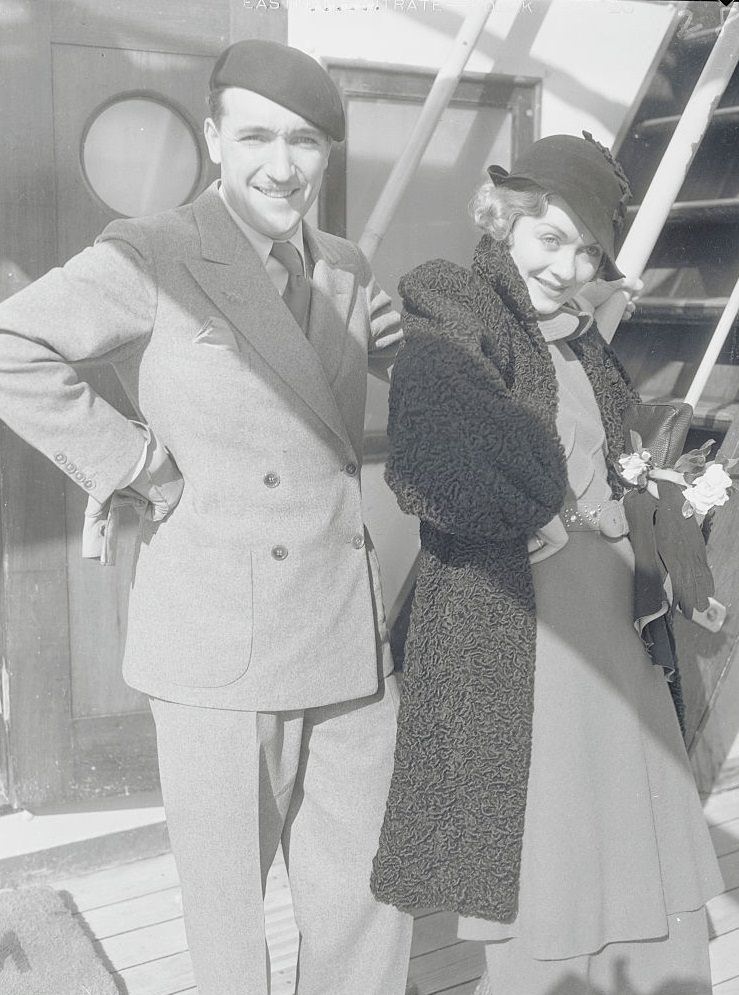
{"points": [[649, 593], [682, 549]]}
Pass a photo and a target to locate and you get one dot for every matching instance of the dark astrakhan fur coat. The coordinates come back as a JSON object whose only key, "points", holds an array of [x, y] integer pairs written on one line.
{"points": [[474, 453]]}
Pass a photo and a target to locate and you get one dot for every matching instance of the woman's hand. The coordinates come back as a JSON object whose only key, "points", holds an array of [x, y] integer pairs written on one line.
{"points": [[547, 540], [600, 291]]}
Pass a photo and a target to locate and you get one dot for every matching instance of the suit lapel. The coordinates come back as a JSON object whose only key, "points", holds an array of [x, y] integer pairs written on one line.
{"points": [[234, 278]]}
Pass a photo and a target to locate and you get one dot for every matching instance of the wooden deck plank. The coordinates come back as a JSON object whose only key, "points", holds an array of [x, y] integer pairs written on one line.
{"points": [[730, 987], [725, 837], [115, 884], [440, 969], [729, 865], [724, 951], [280, 928], [283, 982], [467, 988], [164, 976], [141, 946], [721, 807], [133, 913], [434, 932], [283, 953], [283, 986], [723, 913]]}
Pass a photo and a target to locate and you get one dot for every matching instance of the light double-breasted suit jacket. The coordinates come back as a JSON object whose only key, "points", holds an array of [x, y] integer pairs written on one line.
{"points": [[261, 590]]}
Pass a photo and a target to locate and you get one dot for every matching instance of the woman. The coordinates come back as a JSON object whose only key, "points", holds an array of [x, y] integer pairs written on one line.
{"points": [[556, 813]]}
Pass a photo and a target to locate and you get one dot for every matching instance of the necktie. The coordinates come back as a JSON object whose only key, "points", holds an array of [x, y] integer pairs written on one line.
{"points": [[297, 290]]}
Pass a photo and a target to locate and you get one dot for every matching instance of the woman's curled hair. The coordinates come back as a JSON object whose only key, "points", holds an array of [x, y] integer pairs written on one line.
{"points": [[496, 208]]}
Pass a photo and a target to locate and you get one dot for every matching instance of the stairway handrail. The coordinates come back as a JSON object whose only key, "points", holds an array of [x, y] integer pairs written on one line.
{"points": [[673, 168], [717, 340]]}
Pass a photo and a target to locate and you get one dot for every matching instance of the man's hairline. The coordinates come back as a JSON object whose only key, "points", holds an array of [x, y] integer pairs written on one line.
{"points": [[234, 86]]}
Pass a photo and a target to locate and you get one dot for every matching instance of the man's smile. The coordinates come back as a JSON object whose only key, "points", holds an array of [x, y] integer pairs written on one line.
{"points": [[276, 194]]}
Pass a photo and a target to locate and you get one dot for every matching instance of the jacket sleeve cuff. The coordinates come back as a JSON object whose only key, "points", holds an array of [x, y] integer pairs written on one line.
{"points": [[133, 473], [100, 474]]}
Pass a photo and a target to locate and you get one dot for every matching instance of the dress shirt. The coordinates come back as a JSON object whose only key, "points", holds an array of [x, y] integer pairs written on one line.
{"points": [[262, 245]]}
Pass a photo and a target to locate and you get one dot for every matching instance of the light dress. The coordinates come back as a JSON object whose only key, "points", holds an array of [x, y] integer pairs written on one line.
{"points": [[615, 847]]}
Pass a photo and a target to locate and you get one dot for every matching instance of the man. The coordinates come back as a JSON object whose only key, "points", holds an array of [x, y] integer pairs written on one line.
{"points": [[242, 336]]}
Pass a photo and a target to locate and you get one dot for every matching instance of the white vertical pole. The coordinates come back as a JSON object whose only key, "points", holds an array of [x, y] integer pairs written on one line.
{"points": [[714, 348]]}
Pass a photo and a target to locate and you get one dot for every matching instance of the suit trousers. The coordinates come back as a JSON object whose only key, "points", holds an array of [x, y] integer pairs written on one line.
{"points": [[235, 784]]}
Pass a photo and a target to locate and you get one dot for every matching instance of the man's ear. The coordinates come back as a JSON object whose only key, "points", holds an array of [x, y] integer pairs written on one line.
{"points": [[212, 140], [329, 144]]}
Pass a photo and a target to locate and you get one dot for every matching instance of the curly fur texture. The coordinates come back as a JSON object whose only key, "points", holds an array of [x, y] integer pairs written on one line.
{"points": [[474, 453]]}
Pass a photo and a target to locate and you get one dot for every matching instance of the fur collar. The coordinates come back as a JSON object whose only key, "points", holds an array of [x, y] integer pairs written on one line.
{"points": [[493, 262]]}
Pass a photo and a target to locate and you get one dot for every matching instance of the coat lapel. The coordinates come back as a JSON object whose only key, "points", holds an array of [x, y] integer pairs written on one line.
{"points": [[232, 275]]}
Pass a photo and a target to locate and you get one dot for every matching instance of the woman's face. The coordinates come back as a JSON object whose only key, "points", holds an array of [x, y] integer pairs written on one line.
{"points": [[555, 254]]}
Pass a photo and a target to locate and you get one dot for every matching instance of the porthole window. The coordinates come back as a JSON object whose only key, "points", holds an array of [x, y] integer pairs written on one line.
{"points": [[140, 156]]}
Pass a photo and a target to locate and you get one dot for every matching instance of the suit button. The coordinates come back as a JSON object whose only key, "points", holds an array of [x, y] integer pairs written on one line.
{"points": [[279, 552], [71, 468], [60, 458], [89, 484], [351, 469], [358, 542], [271, 479], [79, 476]]}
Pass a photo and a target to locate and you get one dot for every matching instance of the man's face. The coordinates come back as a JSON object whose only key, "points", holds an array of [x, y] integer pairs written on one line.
{"points": [[272, 161]]}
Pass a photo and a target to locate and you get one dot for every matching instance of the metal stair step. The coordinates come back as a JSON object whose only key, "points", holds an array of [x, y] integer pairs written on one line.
{"points": [[692, 41], [723, 210], [721, 118], [685, 310]]}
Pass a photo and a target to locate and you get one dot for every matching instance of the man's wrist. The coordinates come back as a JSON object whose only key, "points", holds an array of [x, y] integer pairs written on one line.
{"points": [[159, 480], [132, 474]]}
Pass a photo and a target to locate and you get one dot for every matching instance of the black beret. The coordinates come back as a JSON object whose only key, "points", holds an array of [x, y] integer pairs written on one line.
{"points": [[287, 76]]}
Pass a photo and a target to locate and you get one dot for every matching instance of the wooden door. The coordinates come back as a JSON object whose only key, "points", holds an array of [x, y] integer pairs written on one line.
{"points": [[80, 77]]}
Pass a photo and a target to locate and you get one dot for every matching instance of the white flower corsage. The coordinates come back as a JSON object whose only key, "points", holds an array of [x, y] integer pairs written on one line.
{"points": [[635, 466], [710, 490], [706, 484]]}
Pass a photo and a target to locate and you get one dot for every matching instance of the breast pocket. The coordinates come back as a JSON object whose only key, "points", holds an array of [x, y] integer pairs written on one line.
{"points": [[215, 349], [217, 334]]}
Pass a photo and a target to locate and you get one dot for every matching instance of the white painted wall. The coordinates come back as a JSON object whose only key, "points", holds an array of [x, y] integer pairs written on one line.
{"points": [[592, 54], [592, 57]]}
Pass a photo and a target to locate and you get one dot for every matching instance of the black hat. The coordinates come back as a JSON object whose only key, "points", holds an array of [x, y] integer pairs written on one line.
{"points": [[287, 76], [586, 176]]}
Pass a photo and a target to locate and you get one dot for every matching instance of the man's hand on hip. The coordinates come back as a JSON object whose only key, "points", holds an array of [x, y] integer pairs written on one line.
{"points": [[160, 481]]}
